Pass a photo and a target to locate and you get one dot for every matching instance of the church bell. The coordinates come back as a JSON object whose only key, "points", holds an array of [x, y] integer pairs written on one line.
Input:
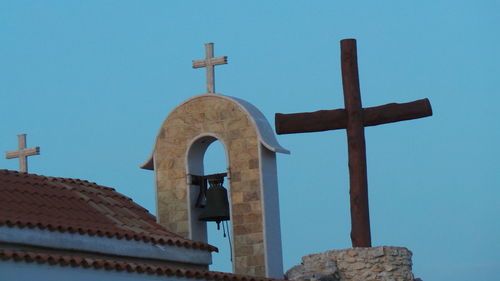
{"points": [[217, 204]]}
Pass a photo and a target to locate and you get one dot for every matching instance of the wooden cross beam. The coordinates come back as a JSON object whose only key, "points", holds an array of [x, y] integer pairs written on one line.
{"points": [[209, 62], [22, 153], [353, 118]]}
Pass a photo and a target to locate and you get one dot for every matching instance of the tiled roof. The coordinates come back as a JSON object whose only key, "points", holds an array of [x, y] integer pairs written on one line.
{"points": [[107, 264], [78, 206]]}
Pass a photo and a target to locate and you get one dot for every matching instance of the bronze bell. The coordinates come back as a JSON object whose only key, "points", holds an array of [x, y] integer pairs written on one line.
{"points": [[217, 205]]}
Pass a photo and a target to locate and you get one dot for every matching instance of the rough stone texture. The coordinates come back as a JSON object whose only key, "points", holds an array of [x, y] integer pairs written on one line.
{"points": [[384, 263], [224, 118]]}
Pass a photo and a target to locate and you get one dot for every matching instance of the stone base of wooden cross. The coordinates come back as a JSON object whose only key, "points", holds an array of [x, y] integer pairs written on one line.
{"points": [[384, 263]]}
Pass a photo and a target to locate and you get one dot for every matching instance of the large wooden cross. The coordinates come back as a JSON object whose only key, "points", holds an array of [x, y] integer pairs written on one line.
{"points": [[209, 62], [22, 153], [353, 118]]}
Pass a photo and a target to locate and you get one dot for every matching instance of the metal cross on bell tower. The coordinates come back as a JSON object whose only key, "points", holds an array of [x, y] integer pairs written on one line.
{"points": [[210, 62], [22, 153]]}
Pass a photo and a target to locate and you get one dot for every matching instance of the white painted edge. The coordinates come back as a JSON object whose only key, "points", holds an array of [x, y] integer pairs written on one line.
{"points": [[156, 195], [103, 245], [263, 207], [273, 251], [264, 130], [29, 271]]}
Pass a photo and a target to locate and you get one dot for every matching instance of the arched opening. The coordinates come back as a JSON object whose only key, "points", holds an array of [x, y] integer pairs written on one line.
{"points": [[207, 156], [215, 162]]}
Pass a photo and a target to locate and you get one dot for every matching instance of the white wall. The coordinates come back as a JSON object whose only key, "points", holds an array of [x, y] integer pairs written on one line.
{"points": [[104, 245], [272, 226], [22, 271]]}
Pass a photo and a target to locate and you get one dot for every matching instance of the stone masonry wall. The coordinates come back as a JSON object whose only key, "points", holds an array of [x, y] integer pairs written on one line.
{"points": [[382, 263], [221, 117]]}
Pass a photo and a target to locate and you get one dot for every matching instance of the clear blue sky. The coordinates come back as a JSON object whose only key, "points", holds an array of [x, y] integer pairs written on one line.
{"points": [[92, 81]]}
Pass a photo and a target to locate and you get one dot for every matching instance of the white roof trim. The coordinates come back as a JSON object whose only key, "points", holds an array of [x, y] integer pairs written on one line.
{"points": [[104, 245], [264, 129]]}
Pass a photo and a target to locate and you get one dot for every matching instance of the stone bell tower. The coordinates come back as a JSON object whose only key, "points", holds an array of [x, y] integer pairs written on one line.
{"points": [[250, 146]]}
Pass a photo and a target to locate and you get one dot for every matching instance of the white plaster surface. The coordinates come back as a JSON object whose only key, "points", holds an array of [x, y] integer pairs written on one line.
{"points": [[270, 202], [104, 245], [23, 271]]}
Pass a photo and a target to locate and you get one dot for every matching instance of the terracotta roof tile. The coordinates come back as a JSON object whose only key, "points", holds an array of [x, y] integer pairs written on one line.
{"points": [[78, 206], [132, 267]]}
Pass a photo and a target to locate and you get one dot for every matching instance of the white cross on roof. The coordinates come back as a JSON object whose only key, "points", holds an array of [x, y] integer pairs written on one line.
{"points": [[209, 62], [22, 153]]}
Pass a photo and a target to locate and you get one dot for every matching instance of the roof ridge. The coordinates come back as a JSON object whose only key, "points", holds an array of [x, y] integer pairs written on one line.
{"points": [[76, 180], [51, 178]]}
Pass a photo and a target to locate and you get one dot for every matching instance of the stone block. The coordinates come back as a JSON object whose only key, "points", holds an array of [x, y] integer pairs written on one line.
{"points": [[254, 228], [251, 196], [237, 219], [183, 228], [239, 240], [239, 230], [240, 259], [180, 193], [179, 216], [211, 115], [349, 260], [177, 122], [228, 114], [255, 260], [258, 249], [214, 127], [256, 206], [358, 264], [260, 270], [240, 165], [246, 250], [237, 145], [238, 124], [237, 197], [252, 218], [176, 173], [377, 252], [234, 134], [253, 163], [255, 239], [241, 208]]}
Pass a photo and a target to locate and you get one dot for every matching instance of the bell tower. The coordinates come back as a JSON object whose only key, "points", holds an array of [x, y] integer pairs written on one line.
{"points": [[251, 148]]}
